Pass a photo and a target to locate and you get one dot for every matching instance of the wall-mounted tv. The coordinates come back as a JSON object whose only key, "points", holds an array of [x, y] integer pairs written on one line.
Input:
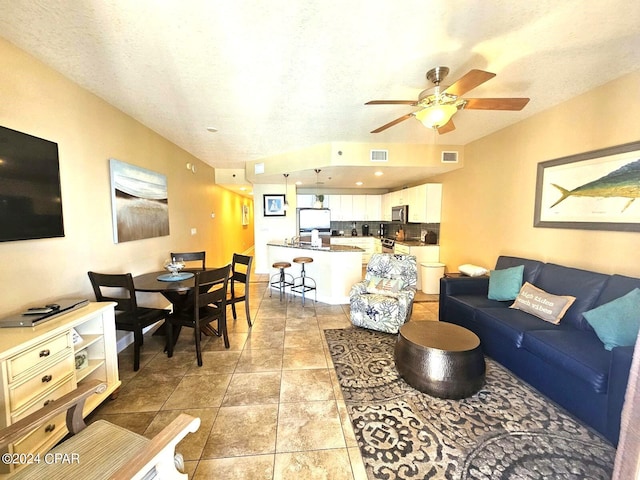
{"points": [[30, 196]]}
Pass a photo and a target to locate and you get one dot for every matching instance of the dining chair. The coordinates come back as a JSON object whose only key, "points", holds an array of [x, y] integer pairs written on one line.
{"points": [[129, 316], [240, 275], [209, 304], [190, 257]]}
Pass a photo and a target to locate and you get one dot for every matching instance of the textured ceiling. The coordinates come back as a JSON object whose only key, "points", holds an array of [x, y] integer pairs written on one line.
{"points": [[275, 76]]}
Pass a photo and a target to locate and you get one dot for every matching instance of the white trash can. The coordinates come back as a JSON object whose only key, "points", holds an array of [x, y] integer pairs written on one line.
{"points": [[431, 272]]}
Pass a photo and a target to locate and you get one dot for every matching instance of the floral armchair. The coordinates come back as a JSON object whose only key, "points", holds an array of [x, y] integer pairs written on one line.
{"points": [[384, 299]]}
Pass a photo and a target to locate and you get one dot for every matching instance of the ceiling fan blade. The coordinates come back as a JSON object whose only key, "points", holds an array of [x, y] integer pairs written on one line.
{"points": [[469, 81], [495, 103], [447, 127], [392, 102], [394, 122]]}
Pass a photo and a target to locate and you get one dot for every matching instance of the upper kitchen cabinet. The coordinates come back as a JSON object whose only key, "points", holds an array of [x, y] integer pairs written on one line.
{"points": [[425, 203], [373, 207]]}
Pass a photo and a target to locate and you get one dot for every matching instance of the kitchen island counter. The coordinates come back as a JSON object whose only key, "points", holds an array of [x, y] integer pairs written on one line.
{"points": [[324, 248], [335, 268]]}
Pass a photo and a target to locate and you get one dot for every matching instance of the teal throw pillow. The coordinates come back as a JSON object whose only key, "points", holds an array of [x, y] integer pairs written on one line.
{"points": [[505, 284], [617, 323]]}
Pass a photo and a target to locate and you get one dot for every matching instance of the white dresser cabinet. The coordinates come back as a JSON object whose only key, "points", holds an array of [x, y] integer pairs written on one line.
{"points": [[39, 365]]}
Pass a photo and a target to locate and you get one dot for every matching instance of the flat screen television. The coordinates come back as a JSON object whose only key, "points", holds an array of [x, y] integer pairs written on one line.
{"points": [[314, 219], [30, 196]]}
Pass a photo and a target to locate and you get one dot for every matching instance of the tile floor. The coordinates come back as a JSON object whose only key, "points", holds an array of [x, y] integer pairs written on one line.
{"points": [[270, 405]]}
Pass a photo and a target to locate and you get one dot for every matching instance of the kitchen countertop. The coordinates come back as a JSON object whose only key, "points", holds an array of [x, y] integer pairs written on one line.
{"points": [[324, 248]]}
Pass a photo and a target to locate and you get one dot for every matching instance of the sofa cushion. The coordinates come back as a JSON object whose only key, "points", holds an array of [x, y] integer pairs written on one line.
{"points": [[575, 351], [546, 306], [531, 267], [617, 322], [582, 284], [616, 287], [509, 323], [505, 284]]}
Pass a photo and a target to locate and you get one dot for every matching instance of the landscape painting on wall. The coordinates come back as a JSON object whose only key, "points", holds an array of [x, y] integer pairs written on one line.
{"points": [[139, 202], [595, 190]]}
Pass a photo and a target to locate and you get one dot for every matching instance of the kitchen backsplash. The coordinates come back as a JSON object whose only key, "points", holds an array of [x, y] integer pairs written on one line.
{"points": [[411, 230]]}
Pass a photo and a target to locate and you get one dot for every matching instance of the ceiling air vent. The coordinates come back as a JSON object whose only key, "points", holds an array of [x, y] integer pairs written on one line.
{"points": [[449, 157], [379, 155]]}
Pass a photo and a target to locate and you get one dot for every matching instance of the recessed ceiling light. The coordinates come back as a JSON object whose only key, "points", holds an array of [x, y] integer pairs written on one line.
{"points": [[358, 183], [212, 129], [298, 182], [242, 189], [378, 173]]}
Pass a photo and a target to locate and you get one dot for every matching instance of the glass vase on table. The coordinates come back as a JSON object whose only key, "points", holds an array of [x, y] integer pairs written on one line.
{"points": [[174, 266]]}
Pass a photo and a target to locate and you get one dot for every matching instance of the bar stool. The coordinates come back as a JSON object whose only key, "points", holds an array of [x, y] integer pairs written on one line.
{"points": [[304, 287], [280, 279]]}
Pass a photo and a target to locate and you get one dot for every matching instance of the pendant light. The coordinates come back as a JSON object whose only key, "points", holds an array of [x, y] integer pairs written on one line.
{"points": [[319, 198], [286, 185]]}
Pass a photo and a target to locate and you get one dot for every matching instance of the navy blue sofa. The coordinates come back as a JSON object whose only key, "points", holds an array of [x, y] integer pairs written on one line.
{"points": [[567, 362]]}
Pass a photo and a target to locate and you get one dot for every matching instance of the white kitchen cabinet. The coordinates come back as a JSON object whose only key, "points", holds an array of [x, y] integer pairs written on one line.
{"points": [[358, 207], [373, 208], [39, 365], [305, 201], [425, 203], [368, 244]]}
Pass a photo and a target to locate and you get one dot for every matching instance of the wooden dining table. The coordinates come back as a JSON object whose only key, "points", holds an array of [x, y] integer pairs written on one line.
{"points": [[178, 292]]}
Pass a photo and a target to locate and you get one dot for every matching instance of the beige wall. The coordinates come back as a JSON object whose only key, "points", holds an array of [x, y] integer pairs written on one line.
{"points": [[488, 205], [35, 99]]}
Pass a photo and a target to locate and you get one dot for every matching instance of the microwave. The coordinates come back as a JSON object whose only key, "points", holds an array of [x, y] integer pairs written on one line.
{"points": [[400, 213]]}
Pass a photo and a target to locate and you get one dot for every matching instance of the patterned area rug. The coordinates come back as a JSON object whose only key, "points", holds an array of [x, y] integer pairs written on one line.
{"points": [[505, 431]]}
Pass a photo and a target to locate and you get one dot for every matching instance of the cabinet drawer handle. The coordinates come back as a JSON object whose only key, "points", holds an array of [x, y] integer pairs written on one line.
{"points": [[45, 353], [47, 402], [50, 428], [47, 378]]}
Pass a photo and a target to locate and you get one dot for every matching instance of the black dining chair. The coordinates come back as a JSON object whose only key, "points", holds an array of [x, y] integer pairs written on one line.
{"points": [[190, 257], [240, 275], [129, 316], [209, 304]]}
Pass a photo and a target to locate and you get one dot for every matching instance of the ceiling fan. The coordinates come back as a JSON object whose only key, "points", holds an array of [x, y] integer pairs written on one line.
{"points": [[438, 106]]}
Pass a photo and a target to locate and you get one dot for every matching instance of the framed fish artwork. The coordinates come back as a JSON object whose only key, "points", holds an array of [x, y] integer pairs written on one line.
{"points": [[598, 190]]}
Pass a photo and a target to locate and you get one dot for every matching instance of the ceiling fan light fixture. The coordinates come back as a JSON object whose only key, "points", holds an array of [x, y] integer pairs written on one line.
{"points": [[436, 116]]}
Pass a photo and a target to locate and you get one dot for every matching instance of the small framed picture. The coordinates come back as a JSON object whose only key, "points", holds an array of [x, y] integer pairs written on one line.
{"points": [[82, 359], [274, 206]]}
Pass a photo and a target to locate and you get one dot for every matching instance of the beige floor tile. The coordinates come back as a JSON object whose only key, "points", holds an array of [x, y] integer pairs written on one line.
{"points": [[347, 427], [199, 391], [357, 465], [253, 389], [315, 465], [309, 426], [257, 467], [241, 431], [307, 339], [265, 339], [301, 324], [306, 385], [137, 423], [260, 360], [215, 363], [271, 324], [142, 394], [294, 358], [331, 322], [236, 342], [192, 445]]}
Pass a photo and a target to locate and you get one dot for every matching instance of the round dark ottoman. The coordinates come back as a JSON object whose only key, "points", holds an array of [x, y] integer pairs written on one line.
{"points": [[439, 358]]}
